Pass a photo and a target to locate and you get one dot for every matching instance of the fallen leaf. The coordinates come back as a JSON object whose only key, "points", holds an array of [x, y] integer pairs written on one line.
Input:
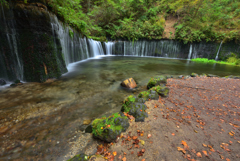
{"points": [[205, 152], [185, 144], [120, 157], [173, 134], [143, 150], [143, 159], [132, 152], [114, 153], [222, 157], [149, 135], [204, 145], [227, 159], [181, 149], [124, 159], [134, 137], [140, 154], [211, 149], [142, 142], [199, 154]]}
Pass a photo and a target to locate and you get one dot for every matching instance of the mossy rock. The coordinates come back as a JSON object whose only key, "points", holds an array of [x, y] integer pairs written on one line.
{"points": [[138, 111], [79, 157], [17, 81], [156, 81], [194, 75], [107, 129], [233, 77], [150, 94], [127, 103], [161, 90], [203, 75]]}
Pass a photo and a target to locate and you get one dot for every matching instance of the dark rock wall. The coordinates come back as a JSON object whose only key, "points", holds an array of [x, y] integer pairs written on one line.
{"points": [[38, 49]]}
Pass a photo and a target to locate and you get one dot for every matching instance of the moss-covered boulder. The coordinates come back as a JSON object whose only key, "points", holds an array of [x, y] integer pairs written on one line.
{"points": [[127, 103], [194, 75], [161, 90], [233, 77], [156, 81], [79, 157], [108, 128], [150, 94], [138, 111]]}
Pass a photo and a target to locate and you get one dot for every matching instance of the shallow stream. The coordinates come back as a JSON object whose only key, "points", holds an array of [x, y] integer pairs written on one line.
{"points": [[44, 121]]}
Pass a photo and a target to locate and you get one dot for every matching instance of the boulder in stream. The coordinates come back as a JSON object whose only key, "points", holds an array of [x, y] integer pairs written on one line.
{"points": [[129, 83], [161, 90]]}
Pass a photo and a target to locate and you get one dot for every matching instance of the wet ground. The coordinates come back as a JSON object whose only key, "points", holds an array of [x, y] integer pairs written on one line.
{"points": [[45, 121]]}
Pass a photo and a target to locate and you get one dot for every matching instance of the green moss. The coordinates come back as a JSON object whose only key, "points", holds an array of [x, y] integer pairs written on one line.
{"points": [[112, 122], [79, 157], [144, 94], [161, 90], [127, 102], [156, 81]]}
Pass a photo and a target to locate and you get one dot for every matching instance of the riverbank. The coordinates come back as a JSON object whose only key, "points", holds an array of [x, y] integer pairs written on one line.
{"points": [[198, 121]]}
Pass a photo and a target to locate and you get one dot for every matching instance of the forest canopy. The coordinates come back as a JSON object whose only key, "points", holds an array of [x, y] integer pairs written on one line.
{"points": [[196, 20]]}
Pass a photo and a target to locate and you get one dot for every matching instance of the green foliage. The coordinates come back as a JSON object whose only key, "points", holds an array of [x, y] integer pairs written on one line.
{"points": [[230, 61], [198, 20], [99, 125]]}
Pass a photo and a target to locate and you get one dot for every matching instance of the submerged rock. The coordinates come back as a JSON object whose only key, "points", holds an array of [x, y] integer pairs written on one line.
{"points": [[2, 82], [107, 129], [156, 81], [129, 83]]}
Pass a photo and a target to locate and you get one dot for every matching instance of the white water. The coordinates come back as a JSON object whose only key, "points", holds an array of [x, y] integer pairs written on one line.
{"points": [[218, 51], [74, 48], [12, 42], [142, 48], [190, 52], [109, 47]]}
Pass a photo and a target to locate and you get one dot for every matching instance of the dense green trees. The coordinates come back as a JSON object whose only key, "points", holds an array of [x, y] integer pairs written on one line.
{"points": [[210, 20]]}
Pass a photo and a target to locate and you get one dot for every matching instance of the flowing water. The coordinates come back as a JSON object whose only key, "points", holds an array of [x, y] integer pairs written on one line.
{"points": [[45, 120]]}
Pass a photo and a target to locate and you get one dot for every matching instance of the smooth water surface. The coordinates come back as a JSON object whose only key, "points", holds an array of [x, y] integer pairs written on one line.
{"points": [[46, 120]]}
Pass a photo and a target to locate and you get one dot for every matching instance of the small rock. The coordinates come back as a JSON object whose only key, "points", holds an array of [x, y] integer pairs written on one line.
{"points": [[129, 83], [2, 82], [194, 75], [86, 122]]}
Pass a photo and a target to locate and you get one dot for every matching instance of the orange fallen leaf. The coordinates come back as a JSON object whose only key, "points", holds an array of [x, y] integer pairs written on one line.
{"points": [[222, 157], [204, 145], [199, 154], [134, 137], [124, 159], [205, 152], [227, 159], [181, 149], [143, 159], [173, 134], [211, 149], [114, 153], [185, 144]]}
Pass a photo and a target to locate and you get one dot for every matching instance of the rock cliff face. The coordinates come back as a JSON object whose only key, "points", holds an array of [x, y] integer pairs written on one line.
{"points": [[29, 49]]}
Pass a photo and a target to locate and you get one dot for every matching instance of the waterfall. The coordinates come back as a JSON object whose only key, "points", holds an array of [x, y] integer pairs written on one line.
{"points": [[143, 48], [11, 36], [95, 47], [190, 52], [218, 51], [74, 47], [109, 47]]}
